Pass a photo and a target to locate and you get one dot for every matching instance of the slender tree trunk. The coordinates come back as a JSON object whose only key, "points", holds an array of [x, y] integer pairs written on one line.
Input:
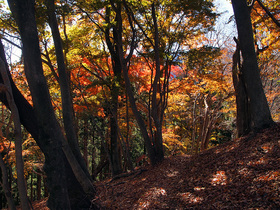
{"points": [[127, 144], [194, 117], [85, 141], [157, 104], [39, 187], [269, 13], [204, 126], [114, 148], [31, 187], [6, 185], [113, 49], [46, 192], [123, 62], [18, 140], [114, 136], [259, 109], [67, 108], [93, 156]]}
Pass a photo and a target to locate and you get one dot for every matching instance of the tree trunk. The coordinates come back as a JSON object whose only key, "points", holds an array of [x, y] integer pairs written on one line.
{"points": [[39, 187], [114, 147], [242, 102], [6, 185], [260, 116], [113, 49], [49, 132], [67, 108], [22, 188], [31, 187], [205, 124], [157, 104], [76, 160], [127, 145], [85, 141], [24, 14], [128, 87], [29, 121]]}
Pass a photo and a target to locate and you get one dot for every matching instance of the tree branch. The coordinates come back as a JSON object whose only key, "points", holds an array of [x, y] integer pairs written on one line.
{"points": [[269, 13]]}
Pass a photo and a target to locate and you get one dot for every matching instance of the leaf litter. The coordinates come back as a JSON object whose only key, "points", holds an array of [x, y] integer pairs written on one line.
{"points": [[241, 174]]}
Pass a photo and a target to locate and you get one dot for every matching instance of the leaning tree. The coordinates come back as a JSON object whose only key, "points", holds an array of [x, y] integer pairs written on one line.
{"points": [[69, 183]]}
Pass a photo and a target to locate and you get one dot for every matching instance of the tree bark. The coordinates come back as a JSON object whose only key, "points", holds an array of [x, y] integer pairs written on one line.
{"points": [[154, 155], [242, 102], [260, 116], [269, 13], [67, 108], [157, 104], [22, 188], [113, 49], [31, 187], [24, 14], [6, 185], [48, 132], [70, 149], [39, 187]]}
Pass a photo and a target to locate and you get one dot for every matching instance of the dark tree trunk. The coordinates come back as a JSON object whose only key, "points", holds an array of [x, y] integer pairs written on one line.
{"points": [[67, 108], [41, 120], [39, 187], [114, 146], [24, 14], [6, 185], [85, 141], [7, 88], [72, 153], [115, 92], [157, 104], [242, 102], [115, 151], [31, 187], [260, 116], [123, 62], [29, 121]]}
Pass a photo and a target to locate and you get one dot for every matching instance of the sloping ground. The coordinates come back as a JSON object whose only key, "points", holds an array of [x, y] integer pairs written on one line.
{"points": [[244, 174]]}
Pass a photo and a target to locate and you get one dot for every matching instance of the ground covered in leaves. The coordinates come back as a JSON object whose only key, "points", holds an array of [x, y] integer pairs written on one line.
{"points": [[243, 174]]}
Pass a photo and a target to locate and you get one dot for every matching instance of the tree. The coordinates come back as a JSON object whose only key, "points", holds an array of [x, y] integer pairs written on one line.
{"points": [[49, 135], [6, 87], [266, 35], [200, 100], [259, 112], [269, 13], [5, 182], [68, 112], [161, 51]]}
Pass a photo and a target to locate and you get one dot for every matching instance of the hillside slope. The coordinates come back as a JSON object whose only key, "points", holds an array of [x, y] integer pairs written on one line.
{"points": [[244, 174]]}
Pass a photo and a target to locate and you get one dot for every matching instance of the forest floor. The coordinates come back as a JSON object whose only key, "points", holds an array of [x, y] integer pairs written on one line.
{"points": [[242, 174]]}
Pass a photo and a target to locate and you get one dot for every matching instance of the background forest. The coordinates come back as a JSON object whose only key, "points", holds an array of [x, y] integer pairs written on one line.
{"points": [[114, 85]]}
